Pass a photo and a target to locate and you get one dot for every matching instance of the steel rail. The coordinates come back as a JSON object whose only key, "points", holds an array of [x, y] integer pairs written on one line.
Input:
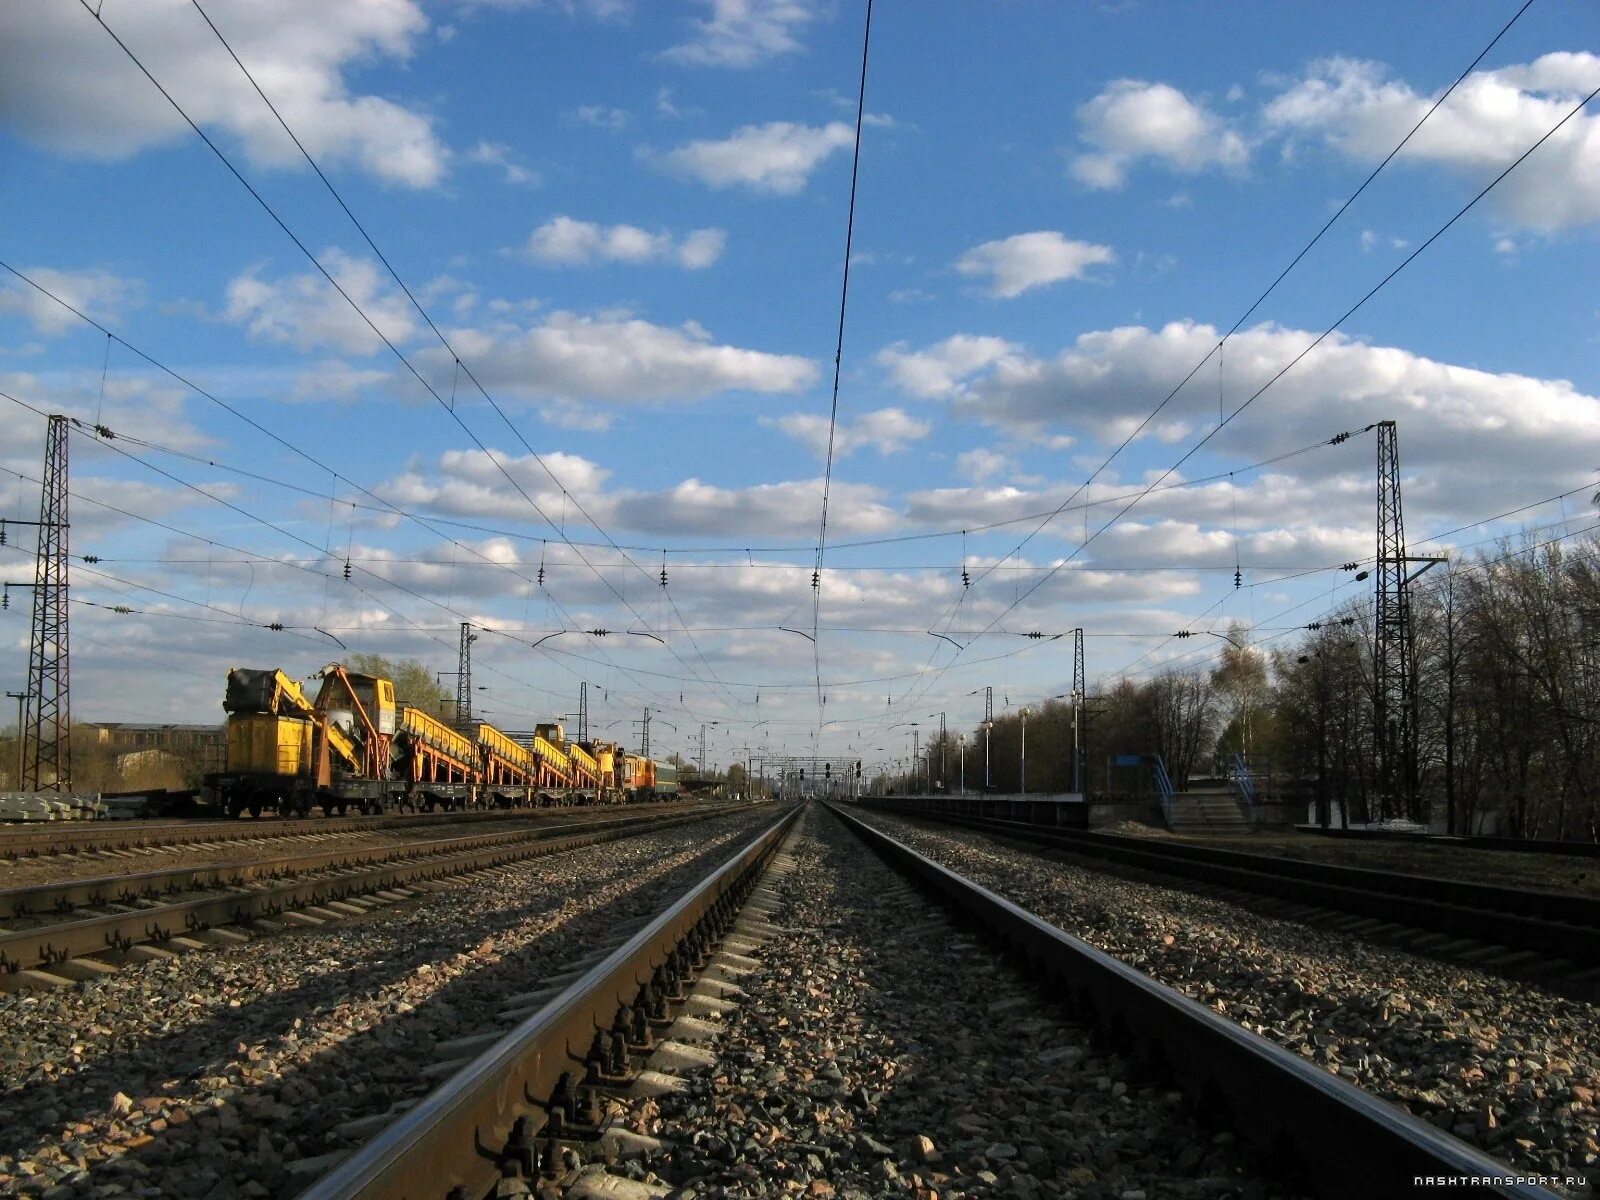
{"points": [[1339, 1140], [1463, 841], [66, 895], [41, 947], [74, 838], [1556, 923], [458, 1140]]}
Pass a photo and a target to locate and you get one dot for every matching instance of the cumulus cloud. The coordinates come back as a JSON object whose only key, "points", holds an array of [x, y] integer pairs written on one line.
{"points": [[306, 312], [1472, 426], [566, 242], [497, 154], [778, 157], [938, 371], [888, 431], [96, 292], [743, 33], [1358, 110], [603, 116], [617, 358], [1132, 119], [980, 464], [66, 86], [1016, 264], [470, 484]]}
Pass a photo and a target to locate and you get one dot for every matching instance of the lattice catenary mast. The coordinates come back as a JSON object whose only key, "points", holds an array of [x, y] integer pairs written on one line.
{"points": [[464, 678], [1394, 651], [47, 765]]}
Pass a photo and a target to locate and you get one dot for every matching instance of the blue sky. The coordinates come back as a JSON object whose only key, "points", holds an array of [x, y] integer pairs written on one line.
{"points": [[628, 219]]}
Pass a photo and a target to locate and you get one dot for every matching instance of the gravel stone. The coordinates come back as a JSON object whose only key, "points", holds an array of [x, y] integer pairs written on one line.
{"points": [[1511, 1067], [254, 1054], [863, 1061]]}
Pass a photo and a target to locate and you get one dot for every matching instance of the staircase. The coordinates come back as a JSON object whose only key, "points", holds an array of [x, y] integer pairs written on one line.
{"points": [[1206, 810]]}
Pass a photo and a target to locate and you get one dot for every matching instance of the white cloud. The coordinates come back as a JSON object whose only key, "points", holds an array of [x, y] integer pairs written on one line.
{"points": [[305, 310], [564, 241], [496, 154], [66, 86], [1473, 427], [743, 33], [778, 157], [981, 464], [603, 116], [96, 292], [1015, 264], [1493, 116], [888, 431], [1131, 120], [469, 484], [938, 371], [616, 358]]}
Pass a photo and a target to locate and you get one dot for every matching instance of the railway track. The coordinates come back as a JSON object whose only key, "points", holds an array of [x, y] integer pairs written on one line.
{"points": [[128, 838], [606, 1089], [1554, 934], [156, 913]]}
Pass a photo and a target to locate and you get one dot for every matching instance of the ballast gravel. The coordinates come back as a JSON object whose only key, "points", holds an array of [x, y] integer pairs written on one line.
{"points": [[228, 1073], [263, 841], [877, 1051], [1507, 1066]]}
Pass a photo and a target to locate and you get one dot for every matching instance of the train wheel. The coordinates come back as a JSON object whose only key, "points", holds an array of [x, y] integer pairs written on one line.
{"points": [[255, 808], [341, 808]]}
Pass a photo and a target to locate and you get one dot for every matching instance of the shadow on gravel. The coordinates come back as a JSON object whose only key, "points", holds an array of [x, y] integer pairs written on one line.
{"points": [[239, 1148]]}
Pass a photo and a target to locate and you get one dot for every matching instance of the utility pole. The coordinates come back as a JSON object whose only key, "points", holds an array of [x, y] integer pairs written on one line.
{"points": [[644, 735], [702, 752], [916, 749], [1022, 765], [1394, 659], [1078, 688], [48, 762], [944, 770], [583, 711], [21, 698], [988, 724], [464, 678]]}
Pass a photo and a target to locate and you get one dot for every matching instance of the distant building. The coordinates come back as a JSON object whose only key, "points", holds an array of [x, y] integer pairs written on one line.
{"points": [[208, 743]]}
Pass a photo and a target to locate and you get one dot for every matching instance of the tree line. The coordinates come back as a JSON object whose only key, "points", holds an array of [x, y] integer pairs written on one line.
{"points": [[1506, 663]]}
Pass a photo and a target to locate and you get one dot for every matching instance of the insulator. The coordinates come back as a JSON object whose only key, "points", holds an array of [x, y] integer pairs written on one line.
{"points": [[2, 533], [1315, 625], [276, 626], [91, 558], [541, 574], [966, 580], [663, 577], [1349, 566], [1338, 438], [105, 433], [121, 608], [5, 599], [347, 568], [1238, 578], [816, 580], [1183, 633]]}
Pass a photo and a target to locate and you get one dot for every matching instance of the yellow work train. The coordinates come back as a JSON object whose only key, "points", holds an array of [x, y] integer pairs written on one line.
{"points": [[355, 746]]}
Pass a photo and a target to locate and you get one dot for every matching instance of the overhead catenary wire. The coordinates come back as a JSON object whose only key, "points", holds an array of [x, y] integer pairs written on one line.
{"points": [[459, 367], [838, 361], [311, 257], [1315, 342]]}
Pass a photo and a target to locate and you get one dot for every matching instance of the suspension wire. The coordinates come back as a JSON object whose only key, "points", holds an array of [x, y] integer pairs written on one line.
{"points": [[1293, 362], [838, 364], [459, 367], [365, 317], [1234, 328]]}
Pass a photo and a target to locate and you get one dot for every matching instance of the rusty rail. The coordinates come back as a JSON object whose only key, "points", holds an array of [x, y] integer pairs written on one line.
{"points": [[485, 1119], [22, 949], [1333, 1137], [69, 894], [79, 838]]}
